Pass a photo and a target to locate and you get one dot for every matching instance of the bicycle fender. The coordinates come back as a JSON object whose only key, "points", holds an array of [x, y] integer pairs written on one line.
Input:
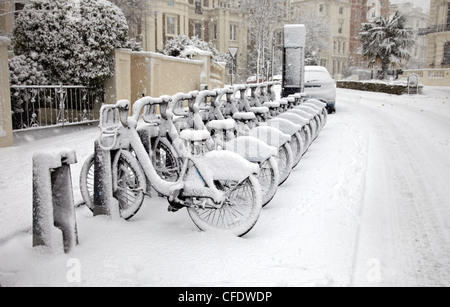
{"points": [[251, 148], [284, 126], [224, 165], [270, 136]]}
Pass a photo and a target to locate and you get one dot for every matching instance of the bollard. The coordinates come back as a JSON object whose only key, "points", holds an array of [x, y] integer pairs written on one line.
{"points": [[54, 218], [103, 187]]}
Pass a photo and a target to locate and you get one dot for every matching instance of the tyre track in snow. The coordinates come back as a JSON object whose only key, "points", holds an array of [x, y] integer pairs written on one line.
{"points": [[405, 216]]}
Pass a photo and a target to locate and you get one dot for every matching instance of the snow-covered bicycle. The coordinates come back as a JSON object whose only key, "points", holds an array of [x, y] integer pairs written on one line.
{"points": [[218, 188]]}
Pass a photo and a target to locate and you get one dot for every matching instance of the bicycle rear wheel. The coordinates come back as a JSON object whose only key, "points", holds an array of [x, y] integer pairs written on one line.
{"points": [[239, 213]]}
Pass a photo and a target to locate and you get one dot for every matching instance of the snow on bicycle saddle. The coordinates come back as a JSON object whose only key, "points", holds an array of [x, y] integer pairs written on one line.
{"points": [[244, 116], [259, 110], [298, 95], [271, 104], [225, 124], [194, 135]]}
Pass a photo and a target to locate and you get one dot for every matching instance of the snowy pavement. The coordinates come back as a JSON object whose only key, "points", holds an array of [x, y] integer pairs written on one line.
{"points": [[367, 206]]}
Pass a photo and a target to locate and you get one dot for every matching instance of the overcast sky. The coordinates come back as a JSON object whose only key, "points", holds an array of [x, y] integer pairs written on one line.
{"points": [[425, 4]]}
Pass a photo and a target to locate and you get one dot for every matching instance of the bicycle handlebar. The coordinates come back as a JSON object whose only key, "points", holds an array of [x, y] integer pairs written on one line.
{"points": [[140, 104]]}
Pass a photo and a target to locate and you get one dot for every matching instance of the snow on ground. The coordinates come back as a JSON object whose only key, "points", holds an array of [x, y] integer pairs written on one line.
{"points": [[368, 205]]}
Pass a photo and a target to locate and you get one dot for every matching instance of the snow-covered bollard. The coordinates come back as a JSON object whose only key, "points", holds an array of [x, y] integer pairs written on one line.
{"points": [[103, 186], [54, 219]]}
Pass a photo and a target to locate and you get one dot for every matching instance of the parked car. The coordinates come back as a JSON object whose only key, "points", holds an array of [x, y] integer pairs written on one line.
{"points": [[320, 85], [277, 78], [252, 79]]}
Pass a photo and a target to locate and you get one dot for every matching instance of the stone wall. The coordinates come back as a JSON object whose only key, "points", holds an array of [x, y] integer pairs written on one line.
{"points": [[6, 135]]}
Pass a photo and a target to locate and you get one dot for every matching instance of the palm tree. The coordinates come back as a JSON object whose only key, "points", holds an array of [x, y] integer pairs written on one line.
{"points": [[387, 40]]}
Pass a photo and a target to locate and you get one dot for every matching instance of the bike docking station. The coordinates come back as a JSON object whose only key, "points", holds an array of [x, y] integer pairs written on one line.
{"points": [[105, 148], [294, 60], [220, 154], [54, 218]]}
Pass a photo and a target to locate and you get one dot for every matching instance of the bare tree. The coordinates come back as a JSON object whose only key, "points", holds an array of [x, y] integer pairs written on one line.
{"points": [[135, 12], [317, 34], [262, 18]]}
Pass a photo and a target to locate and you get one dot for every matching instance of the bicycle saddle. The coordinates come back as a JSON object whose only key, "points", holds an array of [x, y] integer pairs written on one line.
{"points": [[223, 124], [271, 104], [259, 110], [244, 116], [195, 135]]}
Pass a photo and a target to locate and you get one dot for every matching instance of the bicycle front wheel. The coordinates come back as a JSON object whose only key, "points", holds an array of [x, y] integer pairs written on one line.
{"points": [[297, 148], [239, 213], [129, 189], [285, 162], [269, 178]]}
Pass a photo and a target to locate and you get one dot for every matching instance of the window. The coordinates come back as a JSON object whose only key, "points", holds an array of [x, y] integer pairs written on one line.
{"points": [[198, 30], [198, 6], [341, 10], [170, 2], [446, 59], [171, 25], [215, 34], [340, 27], [233, 31], [448, 14]]}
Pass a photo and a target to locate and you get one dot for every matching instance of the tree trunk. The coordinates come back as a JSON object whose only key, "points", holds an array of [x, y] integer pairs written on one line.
{"points": [[384, 68]]}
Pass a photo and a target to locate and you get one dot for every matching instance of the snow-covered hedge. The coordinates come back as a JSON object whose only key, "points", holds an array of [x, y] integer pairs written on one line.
{"points": [[378, 86], [185, 47], [71, 40]]}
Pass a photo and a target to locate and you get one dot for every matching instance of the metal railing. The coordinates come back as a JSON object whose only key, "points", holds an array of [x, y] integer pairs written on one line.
{"points": [[54, 105], [435, 29]]}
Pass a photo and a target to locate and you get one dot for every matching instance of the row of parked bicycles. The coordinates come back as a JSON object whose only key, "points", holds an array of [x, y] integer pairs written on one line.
{"points": [[221, 154]]}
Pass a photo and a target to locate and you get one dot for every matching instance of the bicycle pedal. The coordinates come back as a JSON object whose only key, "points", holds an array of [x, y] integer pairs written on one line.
{"points": [[174, 206]]}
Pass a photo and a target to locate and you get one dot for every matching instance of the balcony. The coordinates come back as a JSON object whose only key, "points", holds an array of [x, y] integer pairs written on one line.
{"points": [[435, 29]]}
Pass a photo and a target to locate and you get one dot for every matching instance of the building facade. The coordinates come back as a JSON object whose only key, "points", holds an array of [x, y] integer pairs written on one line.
{"points": [[213, 21], [438, 34], [416, 20], [334, 17]]}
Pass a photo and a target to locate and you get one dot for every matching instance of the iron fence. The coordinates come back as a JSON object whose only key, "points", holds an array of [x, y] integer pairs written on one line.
{"points": [[54, 105]]}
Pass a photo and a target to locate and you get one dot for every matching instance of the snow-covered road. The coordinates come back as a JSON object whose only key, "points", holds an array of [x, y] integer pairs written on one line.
{"points": [[367, 206], [405, 214]]}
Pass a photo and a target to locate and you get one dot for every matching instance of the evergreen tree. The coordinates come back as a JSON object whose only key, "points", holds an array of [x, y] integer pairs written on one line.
{"points": [[386, 40], [72, 40]]}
